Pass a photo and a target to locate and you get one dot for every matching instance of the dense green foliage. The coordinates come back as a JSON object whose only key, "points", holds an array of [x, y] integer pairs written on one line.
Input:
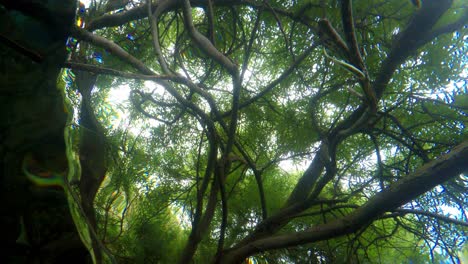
{"points": [[246, 126]]}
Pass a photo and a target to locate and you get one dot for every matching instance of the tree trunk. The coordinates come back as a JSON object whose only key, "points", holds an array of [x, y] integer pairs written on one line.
{"points": [[36, 223]]}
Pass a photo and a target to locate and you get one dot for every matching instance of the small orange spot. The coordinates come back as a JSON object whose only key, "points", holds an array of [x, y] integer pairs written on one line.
{"points": [[45, 174], [416, 3]]}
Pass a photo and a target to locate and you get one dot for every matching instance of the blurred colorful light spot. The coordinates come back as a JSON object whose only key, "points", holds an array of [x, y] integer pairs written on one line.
{"points": [[97, 56], [130, 37]]}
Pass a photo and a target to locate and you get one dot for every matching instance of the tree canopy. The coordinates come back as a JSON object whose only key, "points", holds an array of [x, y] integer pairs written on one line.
{"points": [[301, 131]]}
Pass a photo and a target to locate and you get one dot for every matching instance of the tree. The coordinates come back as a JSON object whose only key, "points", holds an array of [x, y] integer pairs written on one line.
{"points": [[37, 221], [369, 97]]}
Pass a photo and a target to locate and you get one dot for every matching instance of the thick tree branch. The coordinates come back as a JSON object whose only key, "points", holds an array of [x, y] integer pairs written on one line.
{"points": [[310, 176], [446, 29], [351, 125], [424, 179], [408, 41], [199, 231], [117, 19], [112, 47], [204, 44], [93, 155], [112, 72]]}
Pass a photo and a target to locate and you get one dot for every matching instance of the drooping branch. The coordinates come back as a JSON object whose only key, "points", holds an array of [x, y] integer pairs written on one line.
{"points": [[248, 48], [223, 167], [432, 215]]}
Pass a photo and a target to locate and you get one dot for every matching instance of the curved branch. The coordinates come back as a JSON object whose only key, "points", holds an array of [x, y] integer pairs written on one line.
{"points": [[204, 44], [117, 19], [153, 18]]}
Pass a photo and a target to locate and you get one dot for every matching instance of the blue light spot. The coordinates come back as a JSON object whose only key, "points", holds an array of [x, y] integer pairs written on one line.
{"points": [[130, 37], [71, 43], [97, 56], [82, 8]]}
